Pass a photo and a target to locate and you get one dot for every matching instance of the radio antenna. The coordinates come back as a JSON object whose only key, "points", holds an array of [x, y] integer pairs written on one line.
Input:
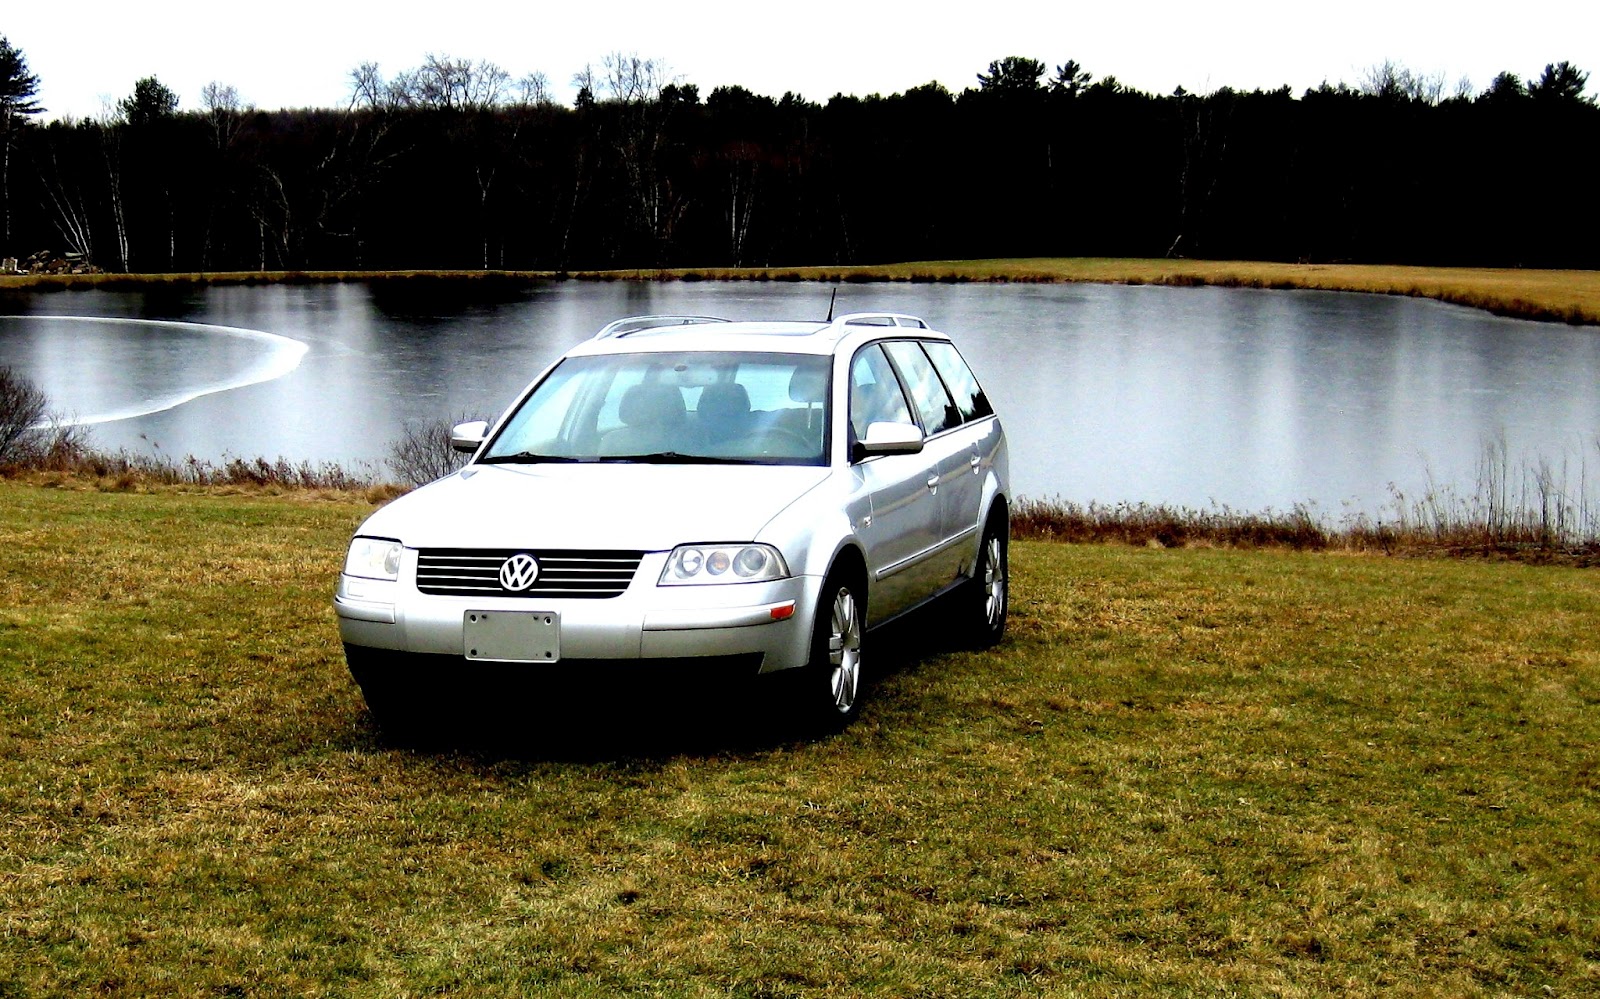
{"points": [[831, 299]]}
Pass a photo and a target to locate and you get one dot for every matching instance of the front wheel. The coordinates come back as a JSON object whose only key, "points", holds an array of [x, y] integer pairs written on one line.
{"points": [[832, 695], [988, 596]]}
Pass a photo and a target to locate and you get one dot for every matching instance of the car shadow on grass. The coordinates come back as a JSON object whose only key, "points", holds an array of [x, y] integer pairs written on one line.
{"points": [[637, 713]]}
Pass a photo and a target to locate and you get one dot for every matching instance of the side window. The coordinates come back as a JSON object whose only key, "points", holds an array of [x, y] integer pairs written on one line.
{"points": [[927, 391], [875, 395], [958, 378]]}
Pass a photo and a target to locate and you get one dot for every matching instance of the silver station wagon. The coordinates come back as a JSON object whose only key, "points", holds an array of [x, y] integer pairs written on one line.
{"points": [[697, 498]]}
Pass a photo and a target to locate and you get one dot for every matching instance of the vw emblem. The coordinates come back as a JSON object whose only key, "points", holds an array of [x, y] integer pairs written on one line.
{"points": [[519, 572]]}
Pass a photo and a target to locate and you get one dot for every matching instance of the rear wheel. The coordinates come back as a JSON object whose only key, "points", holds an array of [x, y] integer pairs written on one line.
{"points": [[988, 596]]}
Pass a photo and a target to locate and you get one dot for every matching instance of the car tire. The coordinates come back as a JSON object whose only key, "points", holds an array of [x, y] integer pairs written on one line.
{"points": [[987, 597], [832, 689]]}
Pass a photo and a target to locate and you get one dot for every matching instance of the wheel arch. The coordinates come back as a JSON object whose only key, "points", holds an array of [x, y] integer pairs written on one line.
{"points": [[851, 562]]}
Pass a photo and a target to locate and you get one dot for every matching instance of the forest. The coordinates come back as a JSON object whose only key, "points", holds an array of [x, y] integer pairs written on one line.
{"points": [[454, 166]]}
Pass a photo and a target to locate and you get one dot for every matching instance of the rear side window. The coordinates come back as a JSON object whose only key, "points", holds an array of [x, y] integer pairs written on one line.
{"points": [[933, 403], [958, 378]]}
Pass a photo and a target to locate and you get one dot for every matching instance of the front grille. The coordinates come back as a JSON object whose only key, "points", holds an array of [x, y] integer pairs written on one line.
{"points": [[475, 572]]}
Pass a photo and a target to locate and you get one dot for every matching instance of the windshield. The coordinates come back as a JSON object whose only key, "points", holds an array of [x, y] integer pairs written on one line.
{"points": [[688, 406]]}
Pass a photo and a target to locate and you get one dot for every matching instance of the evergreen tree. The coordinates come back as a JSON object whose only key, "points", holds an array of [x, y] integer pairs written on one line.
{"points": [[1013, 74], [1560, 82], [17, 90], [150, 101]]}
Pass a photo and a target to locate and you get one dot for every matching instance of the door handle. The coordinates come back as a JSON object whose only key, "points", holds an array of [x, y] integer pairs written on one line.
{"points": [[975, 462], [933, 483]]}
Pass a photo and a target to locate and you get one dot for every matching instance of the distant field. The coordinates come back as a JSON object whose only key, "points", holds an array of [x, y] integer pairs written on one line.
{"points": [[1185, 772], [1556, 296]]}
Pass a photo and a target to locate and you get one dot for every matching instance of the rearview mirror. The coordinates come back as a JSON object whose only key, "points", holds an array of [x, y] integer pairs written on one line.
{"points": [[468, 437], [888, 438]]}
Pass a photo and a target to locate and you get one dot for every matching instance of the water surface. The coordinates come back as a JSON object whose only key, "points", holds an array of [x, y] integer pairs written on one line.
{"points": [[1191, 396]]}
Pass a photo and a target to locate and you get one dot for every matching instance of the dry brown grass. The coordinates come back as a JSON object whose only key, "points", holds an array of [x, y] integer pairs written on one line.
{"points": [[1185, 772], [1570, 296]]}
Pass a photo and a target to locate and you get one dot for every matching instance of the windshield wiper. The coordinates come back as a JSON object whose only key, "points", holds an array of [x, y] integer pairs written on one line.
{"points": [[527, 458], [675, 458]]}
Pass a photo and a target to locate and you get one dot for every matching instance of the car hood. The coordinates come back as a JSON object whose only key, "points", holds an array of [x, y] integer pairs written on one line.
{"points": [[603, 505]]}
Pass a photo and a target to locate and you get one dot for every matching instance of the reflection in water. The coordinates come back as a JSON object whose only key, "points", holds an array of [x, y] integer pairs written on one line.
{"points": [[1249, 399]]}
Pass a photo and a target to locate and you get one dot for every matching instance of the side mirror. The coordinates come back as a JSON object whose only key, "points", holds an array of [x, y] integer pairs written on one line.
{"points": [[468, 437], [888, 438]]}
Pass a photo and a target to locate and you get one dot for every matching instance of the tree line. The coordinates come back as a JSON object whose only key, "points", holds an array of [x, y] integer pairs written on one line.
{"points": [[455, 164]]}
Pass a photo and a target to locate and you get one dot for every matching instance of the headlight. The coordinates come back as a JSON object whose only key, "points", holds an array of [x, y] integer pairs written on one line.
{"points": [[373, 558], [691, 564]]}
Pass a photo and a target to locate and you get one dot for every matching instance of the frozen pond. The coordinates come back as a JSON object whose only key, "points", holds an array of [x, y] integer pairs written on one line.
{"points": [[1190, 396]]}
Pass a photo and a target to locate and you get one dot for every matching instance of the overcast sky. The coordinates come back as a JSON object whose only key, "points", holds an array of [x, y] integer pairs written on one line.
{"points": [[294, 53]]}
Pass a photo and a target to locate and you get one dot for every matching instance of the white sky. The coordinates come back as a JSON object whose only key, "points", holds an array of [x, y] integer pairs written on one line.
{"points": [[295, 53]]}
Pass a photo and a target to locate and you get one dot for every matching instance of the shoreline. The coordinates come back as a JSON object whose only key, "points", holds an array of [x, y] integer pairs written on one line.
{"points": [[1563, 296], [1432, 527]]}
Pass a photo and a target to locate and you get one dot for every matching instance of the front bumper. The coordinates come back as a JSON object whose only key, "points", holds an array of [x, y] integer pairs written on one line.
{"points": [[645, 622]]}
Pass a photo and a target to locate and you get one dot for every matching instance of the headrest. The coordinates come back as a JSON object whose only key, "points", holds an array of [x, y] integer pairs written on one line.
{"points": [[724, 399], [808, 384], [646, 405]]}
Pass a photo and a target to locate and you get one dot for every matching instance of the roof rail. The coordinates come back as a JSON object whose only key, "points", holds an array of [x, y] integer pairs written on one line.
{"points": [[633, 324], [880, 319]]}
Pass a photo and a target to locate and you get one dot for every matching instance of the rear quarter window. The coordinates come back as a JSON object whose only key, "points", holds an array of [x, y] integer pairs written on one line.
{"points": [[958, 378], [928, 394]]}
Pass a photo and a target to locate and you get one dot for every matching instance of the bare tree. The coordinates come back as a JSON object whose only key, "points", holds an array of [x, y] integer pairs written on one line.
{"points": [[224, 110], [69, 211], [743, 161], [109, 132], [587, 84], [1206, 126], [633, 80], [368, 88], [533, 90], [274, 212], [441, 83], [291, 208], [1391, 80], [634, 86]]}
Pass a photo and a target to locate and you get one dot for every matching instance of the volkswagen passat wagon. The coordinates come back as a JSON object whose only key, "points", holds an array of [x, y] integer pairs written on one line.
{"points": [[693, 497]]}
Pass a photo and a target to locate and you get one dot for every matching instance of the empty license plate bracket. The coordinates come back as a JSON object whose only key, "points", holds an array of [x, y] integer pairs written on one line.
{"points": [[511, 636]]}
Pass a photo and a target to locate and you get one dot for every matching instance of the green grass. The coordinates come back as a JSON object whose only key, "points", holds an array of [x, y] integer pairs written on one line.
{"points": [[1185, 772], [1570, 296]]}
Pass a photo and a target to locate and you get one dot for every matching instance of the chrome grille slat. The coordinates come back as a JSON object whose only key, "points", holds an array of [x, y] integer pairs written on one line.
{"points": [[562, 573]]}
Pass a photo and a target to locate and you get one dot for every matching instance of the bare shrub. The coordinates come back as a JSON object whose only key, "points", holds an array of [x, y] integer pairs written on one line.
{"points": [[423, 452], [130, 469], [31, 436], [1166, 526], [22, 406]]}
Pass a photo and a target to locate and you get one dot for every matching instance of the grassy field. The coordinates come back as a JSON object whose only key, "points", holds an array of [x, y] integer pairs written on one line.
{"points": [[1557, 296], [1185, 772]]}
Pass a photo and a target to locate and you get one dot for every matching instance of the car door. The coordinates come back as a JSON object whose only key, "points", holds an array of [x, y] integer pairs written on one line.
{"points": [[946, 461], [978, 440], [899, 521]]}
